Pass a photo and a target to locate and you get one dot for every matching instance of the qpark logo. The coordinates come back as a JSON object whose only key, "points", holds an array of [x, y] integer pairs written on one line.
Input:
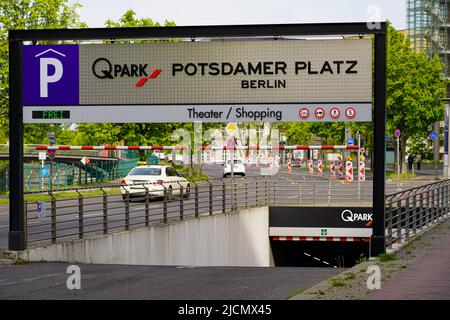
{"points": [[102, 68], [349, 216], [50, 75]]}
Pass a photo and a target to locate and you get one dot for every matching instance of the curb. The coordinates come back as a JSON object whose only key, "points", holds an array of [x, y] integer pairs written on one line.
{"points": [[325, 286]]}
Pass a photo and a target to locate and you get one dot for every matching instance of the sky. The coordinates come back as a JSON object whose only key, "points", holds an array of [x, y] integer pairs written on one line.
{"points": [[224, 12]]}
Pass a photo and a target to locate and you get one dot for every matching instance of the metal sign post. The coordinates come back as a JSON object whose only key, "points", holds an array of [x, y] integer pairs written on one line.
{"points": [[397, 133], [433, 136], [223, 90]]}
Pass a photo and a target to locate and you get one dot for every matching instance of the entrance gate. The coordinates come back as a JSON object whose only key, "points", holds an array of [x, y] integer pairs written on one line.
{"points": [[323, 81]]}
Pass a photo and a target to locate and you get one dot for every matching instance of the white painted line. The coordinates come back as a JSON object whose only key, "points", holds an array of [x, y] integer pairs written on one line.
{"points": [[316, 258], [307, 254], [325, 262]]}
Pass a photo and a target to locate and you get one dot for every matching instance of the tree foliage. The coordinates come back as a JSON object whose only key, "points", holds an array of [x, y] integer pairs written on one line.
{"points": [[415, 86]]}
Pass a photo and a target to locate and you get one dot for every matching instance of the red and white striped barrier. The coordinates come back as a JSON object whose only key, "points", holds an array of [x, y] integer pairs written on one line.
{"points": [[289, 165], [56, 147], [311, 167], [319, 168], [332, 170], [349, 171], [362, 171], [340, 170], [334, 239]]}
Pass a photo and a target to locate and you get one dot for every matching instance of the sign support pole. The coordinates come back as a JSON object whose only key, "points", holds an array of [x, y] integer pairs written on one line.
{"points": [[379, 173], [16, 234]]}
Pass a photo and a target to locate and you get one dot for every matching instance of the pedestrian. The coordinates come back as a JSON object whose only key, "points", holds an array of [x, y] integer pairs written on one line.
{"points": [[418, 161], [410, 161]]}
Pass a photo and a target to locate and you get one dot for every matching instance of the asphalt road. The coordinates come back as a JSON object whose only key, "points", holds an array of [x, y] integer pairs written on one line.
{"points": [[48, 281], [296, 188]]}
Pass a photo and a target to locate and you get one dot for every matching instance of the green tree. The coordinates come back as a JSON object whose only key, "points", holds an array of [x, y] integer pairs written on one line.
{"points": [[415, 86], [30, 14]]}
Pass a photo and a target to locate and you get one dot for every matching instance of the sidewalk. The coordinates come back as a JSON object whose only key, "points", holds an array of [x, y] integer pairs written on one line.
{"points": [[428, 277]]}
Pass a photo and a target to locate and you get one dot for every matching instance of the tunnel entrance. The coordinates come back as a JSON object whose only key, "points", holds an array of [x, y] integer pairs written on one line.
{"points": [[318, 253]]}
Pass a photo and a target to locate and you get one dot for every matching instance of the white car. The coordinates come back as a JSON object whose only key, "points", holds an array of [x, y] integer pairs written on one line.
{"points": [[238, 168], [155, 178]]}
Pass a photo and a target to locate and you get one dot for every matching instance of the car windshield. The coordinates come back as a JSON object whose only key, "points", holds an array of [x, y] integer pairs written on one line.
{"points": [[145, 172]]}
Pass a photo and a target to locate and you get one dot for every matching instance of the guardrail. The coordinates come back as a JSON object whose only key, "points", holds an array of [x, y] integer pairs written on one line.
{"points": [[416, 209], [123, 207]]}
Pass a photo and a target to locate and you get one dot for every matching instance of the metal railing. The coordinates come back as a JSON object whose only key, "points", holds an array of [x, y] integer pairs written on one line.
{"points": [[124, 207], [411, 211]]}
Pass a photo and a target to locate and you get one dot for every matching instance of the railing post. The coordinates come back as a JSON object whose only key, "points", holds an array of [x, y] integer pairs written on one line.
{"points": [[234, 187], [266, 182], [389, 226], [257, 192], [416, 213], [181, 201], [433, 206], [421, 212], [446, 204], [224, 191], [147, 206], [25, 219], [246, 194], [165, 205], [105, 211], [80, 215], [196, 199], [210, 198], [274, 193], [407, 216], [127, 210], [53, 218], [300, 191], [399, 220]]}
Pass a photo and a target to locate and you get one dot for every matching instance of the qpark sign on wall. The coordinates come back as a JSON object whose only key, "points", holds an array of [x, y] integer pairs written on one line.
{"points": [[229, 81]]}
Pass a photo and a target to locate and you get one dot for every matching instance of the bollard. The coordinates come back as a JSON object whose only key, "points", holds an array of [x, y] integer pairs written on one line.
{"points": [[319, 168], [362, 171], [340, 170], [349, 171], [311, 167], [332, 170], [289, 165]]}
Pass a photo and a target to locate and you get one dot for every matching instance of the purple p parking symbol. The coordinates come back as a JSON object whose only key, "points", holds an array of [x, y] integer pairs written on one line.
{"points": [[50, 75]]}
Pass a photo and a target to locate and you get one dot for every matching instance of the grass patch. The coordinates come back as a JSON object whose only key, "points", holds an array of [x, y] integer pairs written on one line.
{"points": [[403, 176], [362, 259], [20, 262], [386, 257], [64, 195], [349, 276], [336, 282]]}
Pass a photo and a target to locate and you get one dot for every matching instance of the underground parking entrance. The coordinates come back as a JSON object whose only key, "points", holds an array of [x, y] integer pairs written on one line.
{"points": [[337, 237], [326, 254]]}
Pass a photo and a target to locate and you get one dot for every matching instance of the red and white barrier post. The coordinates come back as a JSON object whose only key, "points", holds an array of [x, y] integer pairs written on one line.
{"points": [[362, 171], [332, 170], [349, 171], [311, 167], [340, 170], [319, 168], [289, 166]]}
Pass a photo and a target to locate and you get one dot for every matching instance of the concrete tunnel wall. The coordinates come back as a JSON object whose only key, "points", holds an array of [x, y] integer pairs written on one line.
{"points": [[233, 239]]}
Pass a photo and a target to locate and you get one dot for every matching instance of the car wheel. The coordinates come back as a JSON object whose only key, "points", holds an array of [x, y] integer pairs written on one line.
{"points": [[187, 192]]}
